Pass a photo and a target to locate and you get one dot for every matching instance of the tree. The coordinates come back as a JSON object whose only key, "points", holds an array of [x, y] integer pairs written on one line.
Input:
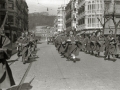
{"points": [[113, 15], [103, 20]]}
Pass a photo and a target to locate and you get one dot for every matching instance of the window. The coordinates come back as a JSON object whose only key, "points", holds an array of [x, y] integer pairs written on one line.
{"points": [[2, 6], [10, 6], [1, 19], [88, 21], [11, 19]]}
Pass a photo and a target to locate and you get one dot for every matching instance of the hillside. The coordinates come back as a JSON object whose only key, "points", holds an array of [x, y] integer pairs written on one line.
{"points": [[38, 19]]}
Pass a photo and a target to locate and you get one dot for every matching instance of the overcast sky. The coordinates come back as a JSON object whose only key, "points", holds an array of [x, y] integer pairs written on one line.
{"points": [[42, 5]]}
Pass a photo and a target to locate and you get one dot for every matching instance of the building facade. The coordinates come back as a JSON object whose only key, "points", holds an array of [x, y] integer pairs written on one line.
{"points": [[88, 12], [71, 15], [87, 16], [59, 23], [109, 4], [41, 31], [55, 24], [17, 19]]}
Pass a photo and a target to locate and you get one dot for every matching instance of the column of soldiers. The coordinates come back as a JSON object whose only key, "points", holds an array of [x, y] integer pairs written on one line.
{"points": [[26, 45], [69, 44]]}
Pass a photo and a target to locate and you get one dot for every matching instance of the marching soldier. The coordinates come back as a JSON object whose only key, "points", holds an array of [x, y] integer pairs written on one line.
{"points": [[63, 44], [100, 44], [111, 46], [107, 46], [118, 47], [80, 40], [87, 44], [24, 48], [19, 44], [58, 42], [72, 49], [93, 40]]}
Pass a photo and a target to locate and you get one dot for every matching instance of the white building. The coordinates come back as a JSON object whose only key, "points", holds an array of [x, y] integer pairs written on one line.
{"points": [[71, 15], [88, 11], [60, 19]]}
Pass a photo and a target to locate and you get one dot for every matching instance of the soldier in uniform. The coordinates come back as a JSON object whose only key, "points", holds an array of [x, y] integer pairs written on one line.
{"points": [[19, 44], [58, 42], [100, 43], [80, 41], [6, 77], [107, 46], [63, 44], [72, 49], [24, 42], [93, 40], [118, 47], [87, 44]]}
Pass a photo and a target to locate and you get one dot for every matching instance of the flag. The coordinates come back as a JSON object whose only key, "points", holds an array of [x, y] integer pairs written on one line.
{"points": [[6, 41]]}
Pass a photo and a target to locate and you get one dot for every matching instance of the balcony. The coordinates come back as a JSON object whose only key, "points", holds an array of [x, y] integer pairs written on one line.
{"points": [[93, 12], [81, 3], [68, 11], [69, 20], [81, 27], [69, 28], [81, 15], [93, 26]]}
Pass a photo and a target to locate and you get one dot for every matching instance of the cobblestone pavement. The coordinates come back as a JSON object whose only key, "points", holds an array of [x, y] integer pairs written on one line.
{"points": [[52, 72]]}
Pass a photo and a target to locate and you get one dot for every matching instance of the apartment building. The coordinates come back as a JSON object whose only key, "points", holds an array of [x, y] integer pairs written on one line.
{"points": [[17, 20], [88, 12], [59, 23], [71, 15]]}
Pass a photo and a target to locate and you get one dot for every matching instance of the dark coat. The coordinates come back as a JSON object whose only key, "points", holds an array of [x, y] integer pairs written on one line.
{"points": [[71, 47]]}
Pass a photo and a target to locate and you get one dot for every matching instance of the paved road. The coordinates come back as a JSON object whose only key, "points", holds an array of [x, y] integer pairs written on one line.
{"points": [[52, 72]]}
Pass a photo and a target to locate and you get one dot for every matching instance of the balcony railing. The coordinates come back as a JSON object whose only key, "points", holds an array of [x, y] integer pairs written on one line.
{"points": [[94, 25], [69, 20], [68, 11], [81, 15], [69, 28], [89, 26], [94, 12], [81, 3]]}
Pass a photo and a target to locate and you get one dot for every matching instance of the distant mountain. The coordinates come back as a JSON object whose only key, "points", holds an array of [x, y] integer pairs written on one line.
{"points": [[40, 19], [39, 13]]}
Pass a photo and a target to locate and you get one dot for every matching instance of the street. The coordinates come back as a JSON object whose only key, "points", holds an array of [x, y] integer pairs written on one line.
{"points": [[52, 72]]}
